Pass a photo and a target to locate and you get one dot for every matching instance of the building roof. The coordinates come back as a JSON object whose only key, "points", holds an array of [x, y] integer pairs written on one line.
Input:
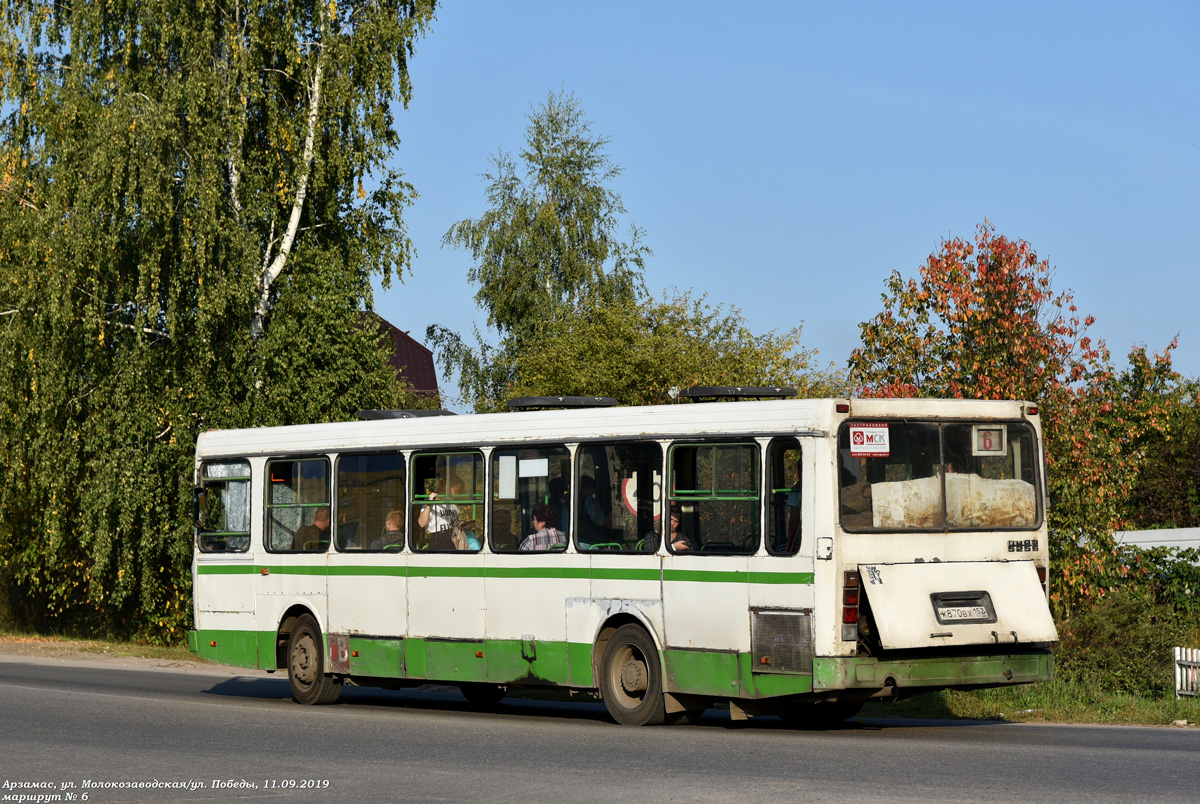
{"points": [[412, 361]]}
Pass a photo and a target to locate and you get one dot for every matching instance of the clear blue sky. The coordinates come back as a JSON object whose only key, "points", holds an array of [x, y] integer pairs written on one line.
{"points": [[786, 157]]}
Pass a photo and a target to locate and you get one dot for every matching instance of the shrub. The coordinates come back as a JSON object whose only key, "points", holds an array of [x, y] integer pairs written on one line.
{"points": [[1124, 643]]}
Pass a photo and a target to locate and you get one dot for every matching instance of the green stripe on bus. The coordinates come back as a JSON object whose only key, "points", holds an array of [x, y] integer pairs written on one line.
{"points": [[226, 569], [616, 574], [554, 573]]}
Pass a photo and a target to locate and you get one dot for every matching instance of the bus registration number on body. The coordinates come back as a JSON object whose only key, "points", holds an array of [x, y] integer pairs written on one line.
{"points": [[963, 607], [957, 614]]}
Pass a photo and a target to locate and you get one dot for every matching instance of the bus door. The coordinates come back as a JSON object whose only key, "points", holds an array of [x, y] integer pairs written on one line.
{"points": [[367, 583], [618, 514], [446, 568], [531, 578], [298, 537], [224, 563], [713, 528]]}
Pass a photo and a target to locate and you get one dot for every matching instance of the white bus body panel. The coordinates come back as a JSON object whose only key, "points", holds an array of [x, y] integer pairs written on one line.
{"points": [[900, 597]]}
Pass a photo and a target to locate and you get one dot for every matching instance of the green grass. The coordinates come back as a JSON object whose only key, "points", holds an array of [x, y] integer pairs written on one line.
{"points": [[42, 645], [1051, 701]]}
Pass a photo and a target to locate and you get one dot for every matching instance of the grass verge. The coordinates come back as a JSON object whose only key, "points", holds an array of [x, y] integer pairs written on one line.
{"points": [[41, 645], [1050, 701]]}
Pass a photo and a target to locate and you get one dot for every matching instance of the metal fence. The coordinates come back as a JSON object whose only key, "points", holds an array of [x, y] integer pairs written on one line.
{"points": [[1187, 672]]}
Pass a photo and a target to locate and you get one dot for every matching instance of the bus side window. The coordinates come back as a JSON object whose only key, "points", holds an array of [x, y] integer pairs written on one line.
{"points": [[224, 522], [370, 508], [617, 507], [447, 501], [783, 521], [298, 511], [530, 484], [715, 488]]}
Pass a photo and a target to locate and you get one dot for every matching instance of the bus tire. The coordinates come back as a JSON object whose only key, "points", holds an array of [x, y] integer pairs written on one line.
{"points": [[483, 695], [306, 665], [631, 678], [824, 715]]}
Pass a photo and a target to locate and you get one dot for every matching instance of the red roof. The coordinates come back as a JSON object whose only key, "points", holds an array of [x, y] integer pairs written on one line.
{"points": [[412, 361]]}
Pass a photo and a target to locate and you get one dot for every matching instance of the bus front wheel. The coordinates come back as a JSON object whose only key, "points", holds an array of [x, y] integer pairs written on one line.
{"points": [[306, 665], [631, 678]]}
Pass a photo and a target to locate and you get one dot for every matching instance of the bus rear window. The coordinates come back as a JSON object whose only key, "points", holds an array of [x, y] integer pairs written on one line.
{"points": [[930, 476]]}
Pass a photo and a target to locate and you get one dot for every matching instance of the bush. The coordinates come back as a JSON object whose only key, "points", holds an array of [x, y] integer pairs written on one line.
{"points": [[1124, 642]]}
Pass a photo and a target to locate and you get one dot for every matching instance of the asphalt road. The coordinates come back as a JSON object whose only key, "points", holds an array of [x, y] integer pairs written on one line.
{"points": [[83, 722]]}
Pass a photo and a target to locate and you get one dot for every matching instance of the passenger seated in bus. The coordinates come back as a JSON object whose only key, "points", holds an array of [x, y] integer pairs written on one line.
{"points": [[438, 519], [545, 523], [679, 540], [393, 531], [314, 536], [464, 535], [594, 524]]}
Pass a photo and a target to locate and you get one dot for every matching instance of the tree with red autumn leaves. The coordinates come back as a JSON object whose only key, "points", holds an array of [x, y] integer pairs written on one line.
{"points": [[982, 321]]}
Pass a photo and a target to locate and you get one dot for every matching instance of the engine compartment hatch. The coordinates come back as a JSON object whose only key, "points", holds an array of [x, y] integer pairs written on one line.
{"points": [[957, 603]]}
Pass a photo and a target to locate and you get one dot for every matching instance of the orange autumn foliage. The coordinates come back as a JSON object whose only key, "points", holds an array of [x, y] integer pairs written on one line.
{"points": [[982, 321]]}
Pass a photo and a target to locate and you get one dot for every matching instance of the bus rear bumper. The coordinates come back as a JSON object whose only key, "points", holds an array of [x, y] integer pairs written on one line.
{"points": [[869, 672]]}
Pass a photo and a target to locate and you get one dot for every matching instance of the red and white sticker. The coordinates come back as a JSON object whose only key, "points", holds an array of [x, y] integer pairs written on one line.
{"points": [[869, 440]]}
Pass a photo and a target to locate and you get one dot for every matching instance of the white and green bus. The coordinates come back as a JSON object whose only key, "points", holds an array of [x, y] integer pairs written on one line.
{"points": [[790, 557]]}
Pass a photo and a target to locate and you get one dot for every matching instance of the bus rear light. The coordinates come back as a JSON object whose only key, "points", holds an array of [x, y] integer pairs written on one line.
{"points": [[850, 605], [1031, 410], [842, 407], [1041, 571]]}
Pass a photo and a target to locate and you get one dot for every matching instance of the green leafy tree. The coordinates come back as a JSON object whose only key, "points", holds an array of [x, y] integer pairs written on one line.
{"points": [[1167, 491], [637, 352], [547, 246], [566, 296], [983, 321], [186, 242]]}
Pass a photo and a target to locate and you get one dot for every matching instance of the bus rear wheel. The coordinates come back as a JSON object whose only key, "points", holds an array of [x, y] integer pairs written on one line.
{"points": [[306, 665], [631, 678]]}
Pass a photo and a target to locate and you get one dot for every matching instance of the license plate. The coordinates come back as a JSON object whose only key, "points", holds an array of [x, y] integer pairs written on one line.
{"points": [[957, 614], [963, 607]]}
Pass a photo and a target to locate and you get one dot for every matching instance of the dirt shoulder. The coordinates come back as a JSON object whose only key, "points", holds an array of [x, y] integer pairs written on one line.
{"points": [[115, 654]]}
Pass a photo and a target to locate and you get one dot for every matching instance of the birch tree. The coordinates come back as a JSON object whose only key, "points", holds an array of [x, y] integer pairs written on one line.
{"points": [[547, 245], [194, 200]]}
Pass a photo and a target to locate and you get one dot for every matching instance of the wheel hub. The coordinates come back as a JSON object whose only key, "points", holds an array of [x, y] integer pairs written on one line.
{"points": [[633, 676]]}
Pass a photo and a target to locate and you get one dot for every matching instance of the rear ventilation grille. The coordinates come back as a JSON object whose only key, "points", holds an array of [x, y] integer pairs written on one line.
{"points": [[782, 641]]}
